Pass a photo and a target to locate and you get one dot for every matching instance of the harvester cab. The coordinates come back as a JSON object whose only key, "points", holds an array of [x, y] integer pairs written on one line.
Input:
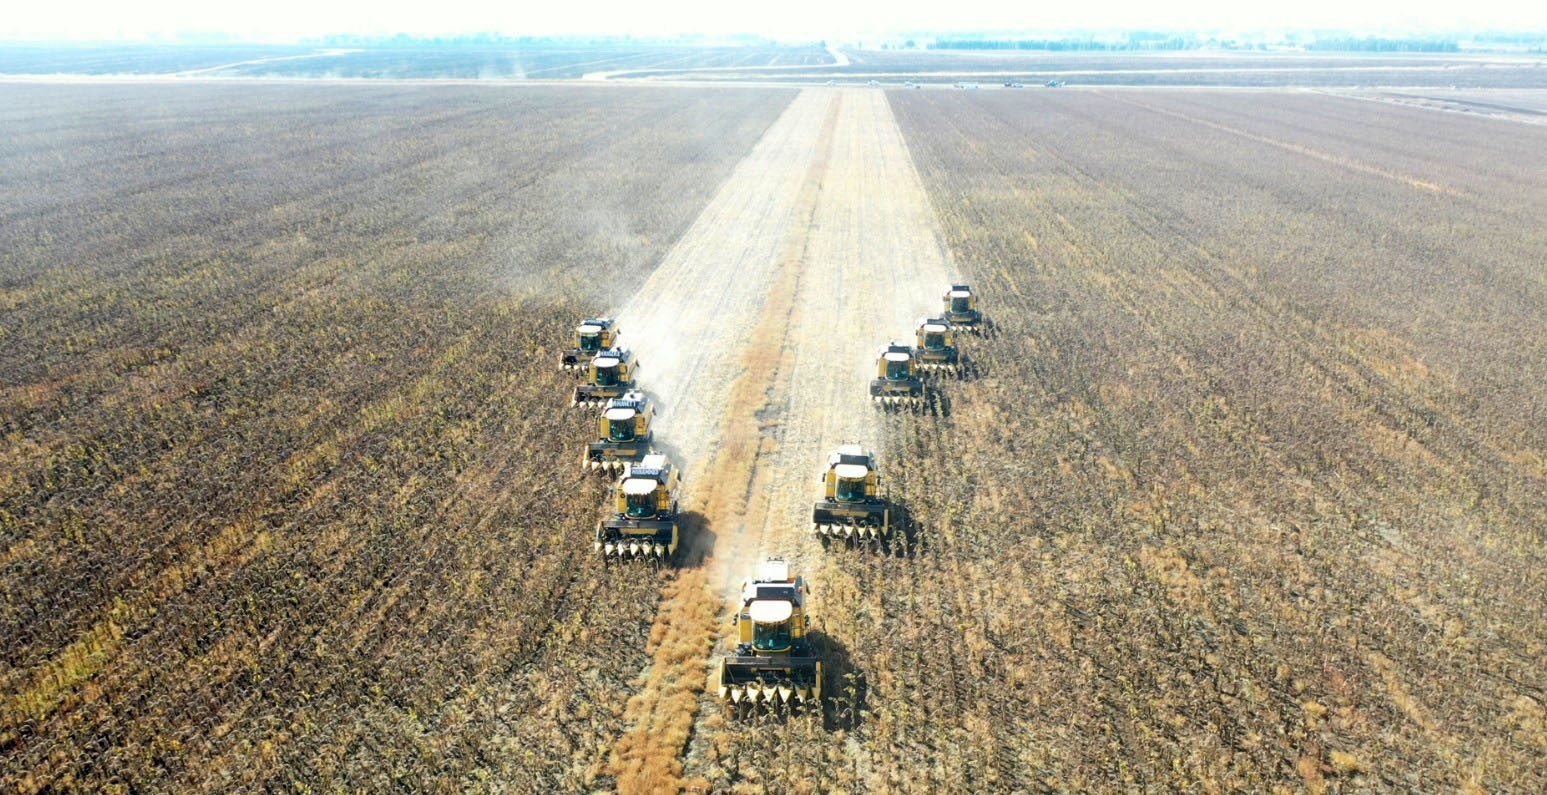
{"points": [[775, 663], [610, 375], [852, 506], [592, 336], [643, 523], [622, 434], [960, 307], [897, 382], [935, 348]]}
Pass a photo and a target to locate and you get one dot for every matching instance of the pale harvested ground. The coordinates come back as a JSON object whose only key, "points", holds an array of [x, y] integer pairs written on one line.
{"points": [[688, 323], [824, 243], [1526, 105]]}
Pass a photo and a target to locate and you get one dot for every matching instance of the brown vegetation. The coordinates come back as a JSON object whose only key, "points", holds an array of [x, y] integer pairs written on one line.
{"points": [[288, 492], [1245, 493]]}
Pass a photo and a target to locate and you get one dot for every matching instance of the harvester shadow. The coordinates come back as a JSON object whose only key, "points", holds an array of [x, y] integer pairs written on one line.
{"points": [[697, 539], [845, 690]]}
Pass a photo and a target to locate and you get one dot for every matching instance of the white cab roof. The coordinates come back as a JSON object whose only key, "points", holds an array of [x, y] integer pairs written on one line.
{"points": [[605, 361], [589, 328], [850, 471], [619, 415], [897, 356], [960, 293], [934, 327], [637, 486], [770, 612]]}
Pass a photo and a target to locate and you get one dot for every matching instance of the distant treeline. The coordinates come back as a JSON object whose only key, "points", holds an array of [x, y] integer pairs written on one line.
{"points": [[1537, 39], [503, 40], [1373, 44], [1134, 42]]}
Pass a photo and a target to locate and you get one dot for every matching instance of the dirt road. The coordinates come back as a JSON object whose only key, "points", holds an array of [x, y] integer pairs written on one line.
{"points": [[758, 333]]}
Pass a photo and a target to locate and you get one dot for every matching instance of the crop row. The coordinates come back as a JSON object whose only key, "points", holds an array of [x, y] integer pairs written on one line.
{"points": [[289, 495]]}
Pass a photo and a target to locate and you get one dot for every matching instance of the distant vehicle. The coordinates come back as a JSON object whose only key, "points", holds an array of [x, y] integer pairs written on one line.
{"points": [[1014, 85], [852, 507], [641, 523], [609, 375], [874, 83], [897, 383], [831, 83], [1054, 83], [959, 307], [967, 85], [592, 336]]}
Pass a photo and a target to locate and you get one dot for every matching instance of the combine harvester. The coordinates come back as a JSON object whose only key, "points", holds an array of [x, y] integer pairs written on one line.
{"points": [[935, 348], [643, 526], [852, 507], [960, 309], [623, 434], [610, 374], [897, 383], [592, 336], [775, 666]]}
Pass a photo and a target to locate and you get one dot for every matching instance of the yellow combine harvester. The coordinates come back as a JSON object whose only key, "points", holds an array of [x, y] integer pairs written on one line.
{"points": [[935, 348], [643, 526], [852, 507], [610, 374], [623, 434], [592, 336], [774, 664], [960, 307], [897, 383]]}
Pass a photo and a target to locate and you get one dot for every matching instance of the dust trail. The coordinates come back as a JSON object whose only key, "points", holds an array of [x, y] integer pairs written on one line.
{"points": [[875, 266], [758, 335], [690, 320], [724, 291], [871, 265]]}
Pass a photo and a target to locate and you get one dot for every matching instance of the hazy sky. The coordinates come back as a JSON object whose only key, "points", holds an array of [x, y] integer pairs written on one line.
{"points": [[91, 19]]}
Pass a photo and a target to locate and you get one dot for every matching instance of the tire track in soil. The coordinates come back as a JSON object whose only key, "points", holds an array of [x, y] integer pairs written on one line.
{"points": [[871, 265], [1301, 149], [824, 238], [730, 270]]}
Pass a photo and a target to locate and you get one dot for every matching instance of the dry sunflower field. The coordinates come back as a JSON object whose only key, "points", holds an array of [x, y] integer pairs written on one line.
{"points": [[1244, 491]]}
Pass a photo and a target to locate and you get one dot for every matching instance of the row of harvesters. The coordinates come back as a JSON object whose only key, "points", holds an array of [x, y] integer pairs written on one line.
{"points": [[899, 382], [776, 664], [640, 522]]}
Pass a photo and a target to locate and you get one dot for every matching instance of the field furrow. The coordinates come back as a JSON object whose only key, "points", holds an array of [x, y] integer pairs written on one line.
{"points": [[1257, 540]]}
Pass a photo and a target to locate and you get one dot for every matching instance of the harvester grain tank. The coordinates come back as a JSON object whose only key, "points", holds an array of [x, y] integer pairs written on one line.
{"points": [[960, 308], [935, 347], [642, 525], [592, 336], [852, 506], [610, 374], [897, 383], [623, 433], [775, 664]]}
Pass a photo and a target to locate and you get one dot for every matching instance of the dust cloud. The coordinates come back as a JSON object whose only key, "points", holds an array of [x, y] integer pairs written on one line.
{"points": [[690, 321]]}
